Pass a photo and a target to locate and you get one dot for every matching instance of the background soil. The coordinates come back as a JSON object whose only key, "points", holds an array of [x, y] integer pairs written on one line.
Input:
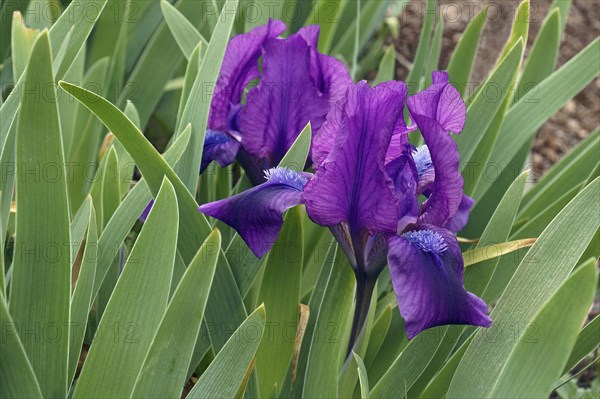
{"points": [[577, 119]]}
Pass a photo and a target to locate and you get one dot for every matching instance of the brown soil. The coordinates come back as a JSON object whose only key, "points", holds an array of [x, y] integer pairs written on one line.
{"points": [[577, 119]]}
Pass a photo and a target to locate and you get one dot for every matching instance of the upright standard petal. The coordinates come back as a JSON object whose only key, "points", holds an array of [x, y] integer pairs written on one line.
{"points": [[240, 66], [447, 188], [440, 102], [328, 73], [256, 214], [284, 101], [426, 269], [219, 147], [351, 186]]}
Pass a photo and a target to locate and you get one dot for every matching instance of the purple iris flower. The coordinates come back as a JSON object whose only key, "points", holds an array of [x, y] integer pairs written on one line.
{"points": [[367, 187], [297, 84]]}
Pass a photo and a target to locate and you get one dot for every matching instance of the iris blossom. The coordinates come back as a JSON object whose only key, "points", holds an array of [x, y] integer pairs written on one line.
{"points": [[367, 187], [297, 85]]}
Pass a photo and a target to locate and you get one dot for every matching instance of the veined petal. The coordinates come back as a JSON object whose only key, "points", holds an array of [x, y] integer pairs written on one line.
{"points": [[240, 66], [284, 101], [403, 173], [351, 185], [426, 269], [441, 102], [460, 219], [447, 187], [329, 74], [256, 214], [219, 147]]}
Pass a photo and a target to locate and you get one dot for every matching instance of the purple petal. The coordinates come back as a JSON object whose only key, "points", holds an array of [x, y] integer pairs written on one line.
{"points": [[426, 269], [446, 190], [324, 139], [441, 102], [403, 173], [460, 219], [256, 214], [219, 147], [351, 186], [240, 66], [329, 75], [284, 101], [146, 211]]}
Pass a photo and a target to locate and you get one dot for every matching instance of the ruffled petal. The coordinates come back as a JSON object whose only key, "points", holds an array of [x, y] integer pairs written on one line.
{"points": [[426, 269], [284, 101], [219, 147], [256, 214], [351, 186], [329, 75], [460, 219], [324, 139], [240, 66], [440, 102]]}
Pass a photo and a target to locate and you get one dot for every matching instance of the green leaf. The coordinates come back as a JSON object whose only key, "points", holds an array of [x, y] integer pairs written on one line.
{"points": [[18, 380], [587, 340], [362, 376], [22, 42], [280, 294], [409, 365], [542, 343], [226, 373], [79, 225], [435, 50], [295, 157], [461, 62], [326, 14], [380, 329], [413, 81], [126, 215], [525, 117], [41, 281], [186, 35], [387, 65], [328, 346], [151, 164], [83, 151], [157, 63], [295, 377], [497, 230], [542, 56], [81, 301], [557, 249], [197, 107], [136, 307], [174, 341], [520, 28], [482, 111], [569, 172], [76, 21]]}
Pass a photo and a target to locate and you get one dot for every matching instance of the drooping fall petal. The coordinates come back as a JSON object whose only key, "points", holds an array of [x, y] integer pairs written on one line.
{"points": [[426, 269], [256, 214]]}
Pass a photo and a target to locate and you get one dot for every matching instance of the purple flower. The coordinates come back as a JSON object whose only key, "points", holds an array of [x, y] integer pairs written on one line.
{"points": [[366, 188], [297, 85]]}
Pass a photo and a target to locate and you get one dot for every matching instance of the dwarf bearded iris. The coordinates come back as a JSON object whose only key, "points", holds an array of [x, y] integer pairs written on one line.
{"points": [[366, 188]]}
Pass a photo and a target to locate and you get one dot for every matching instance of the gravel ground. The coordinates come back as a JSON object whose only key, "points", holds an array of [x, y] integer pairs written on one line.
{"points": [[577, 119]]}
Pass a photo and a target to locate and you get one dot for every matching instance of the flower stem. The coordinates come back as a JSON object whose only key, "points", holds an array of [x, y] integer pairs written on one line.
{"points": [[365, 284]]}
